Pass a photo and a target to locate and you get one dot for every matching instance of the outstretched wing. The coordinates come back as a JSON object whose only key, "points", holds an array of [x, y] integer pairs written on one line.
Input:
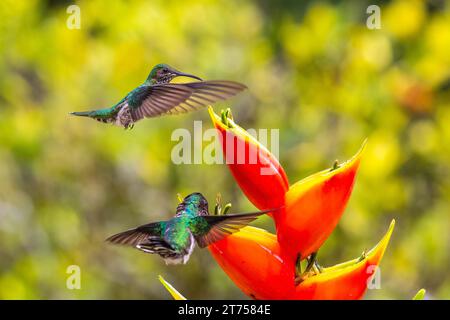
{"points": [[147, 238], [175, 98], [206, 93], [137, 236], [215, 228]]}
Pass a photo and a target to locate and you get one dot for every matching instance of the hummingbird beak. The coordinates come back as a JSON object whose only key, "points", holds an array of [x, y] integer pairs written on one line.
{"points": [[182, 74]]}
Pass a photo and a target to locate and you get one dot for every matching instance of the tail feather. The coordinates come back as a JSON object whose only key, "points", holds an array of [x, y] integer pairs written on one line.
{"points": [[82, 113]]}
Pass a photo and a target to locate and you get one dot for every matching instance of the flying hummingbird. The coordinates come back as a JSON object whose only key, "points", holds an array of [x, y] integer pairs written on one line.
{"points": [[174, 239], [156, 97]]}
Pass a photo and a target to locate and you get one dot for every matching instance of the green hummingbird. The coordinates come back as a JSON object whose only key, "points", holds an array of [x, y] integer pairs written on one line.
{"points": [[174, 239], [156, 97]]}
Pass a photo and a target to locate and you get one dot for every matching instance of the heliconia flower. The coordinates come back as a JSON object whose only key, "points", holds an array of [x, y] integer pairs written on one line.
{"points": [[256, 170], [313, 207], [174, 292], [253, 260]]}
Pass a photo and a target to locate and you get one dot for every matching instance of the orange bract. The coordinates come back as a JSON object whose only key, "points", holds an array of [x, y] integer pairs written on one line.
{"points": [[253, 260], [257, 171], [313, 207]]}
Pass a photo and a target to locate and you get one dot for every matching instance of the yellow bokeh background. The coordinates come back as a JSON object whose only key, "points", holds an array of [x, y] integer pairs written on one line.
{"points": [[314, 71]]}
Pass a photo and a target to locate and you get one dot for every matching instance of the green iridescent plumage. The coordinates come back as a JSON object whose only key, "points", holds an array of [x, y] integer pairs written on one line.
{"points": [[157, 96], [174, 239]]}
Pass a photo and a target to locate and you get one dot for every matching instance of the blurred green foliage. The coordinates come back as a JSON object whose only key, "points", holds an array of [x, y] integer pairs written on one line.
{"points": [[313, 69]]}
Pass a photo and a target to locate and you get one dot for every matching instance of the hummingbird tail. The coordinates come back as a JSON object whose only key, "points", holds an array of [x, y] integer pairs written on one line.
{"points": [[82, 113]]}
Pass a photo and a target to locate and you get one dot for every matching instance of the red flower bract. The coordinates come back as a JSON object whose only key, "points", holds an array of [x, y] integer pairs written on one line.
{"points": [[253, 260], [313, 207], [257, 171]]}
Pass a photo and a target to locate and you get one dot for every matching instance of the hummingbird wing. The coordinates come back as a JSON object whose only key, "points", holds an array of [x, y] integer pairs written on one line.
{"points": [[218, 227], [175, 98], [139, 235], [149, 238], [206, 93]]}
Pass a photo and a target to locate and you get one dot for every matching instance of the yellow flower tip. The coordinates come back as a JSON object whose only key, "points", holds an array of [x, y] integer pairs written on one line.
{"points": [[174, 292], [374, 256], [420, 295], [377, 252], [237, 130], [364, 142], [363, 146], [352, 162], [212, 114], [216, 120], [320, 176], [358, 156]]}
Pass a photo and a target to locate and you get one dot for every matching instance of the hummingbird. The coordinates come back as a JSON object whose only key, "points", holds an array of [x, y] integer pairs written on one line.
{"points": [[175, 239], [157, 96]]}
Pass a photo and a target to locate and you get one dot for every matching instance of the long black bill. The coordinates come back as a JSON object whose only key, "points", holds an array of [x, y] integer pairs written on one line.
{"points": [[182, 74]]}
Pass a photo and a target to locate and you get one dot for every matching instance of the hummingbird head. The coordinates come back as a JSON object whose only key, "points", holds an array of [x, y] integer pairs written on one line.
{"points": [[195, 201], [163, 73]]}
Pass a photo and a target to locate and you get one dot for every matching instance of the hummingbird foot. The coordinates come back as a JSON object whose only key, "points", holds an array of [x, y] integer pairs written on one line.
{"points": [[127, 125], [124, 118]]}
